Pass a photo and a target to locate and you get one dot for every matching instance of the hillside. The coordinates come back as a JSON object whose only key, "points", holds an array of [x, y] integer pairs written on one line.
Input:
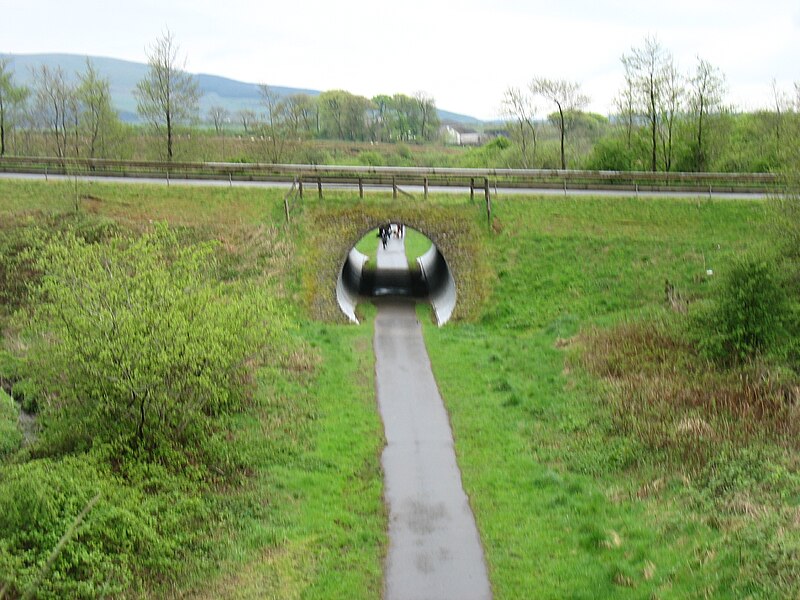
{"points": [[123, 76]]}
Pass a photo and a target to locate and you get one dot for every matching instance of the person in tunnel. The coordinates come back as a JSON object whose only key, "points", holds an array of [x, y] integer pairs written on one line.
{"points": [[384, 232]]}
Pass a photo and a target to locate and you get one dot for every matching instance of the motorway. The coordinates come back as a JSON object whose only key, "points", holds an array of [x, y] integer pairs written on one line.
{"points": [[416, 191]]}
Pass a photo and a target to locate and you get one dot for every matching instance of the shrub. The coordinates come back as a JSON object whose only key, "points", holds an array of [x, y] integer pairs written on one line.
{"points": [[136, 345], [370, 158], [27, 393], [127, 538], [749, 314]]}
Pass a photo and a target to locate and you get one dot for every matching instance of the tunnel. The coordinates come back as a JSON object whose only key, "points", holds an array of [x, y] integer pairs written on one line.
{"points": [[428, 280]]}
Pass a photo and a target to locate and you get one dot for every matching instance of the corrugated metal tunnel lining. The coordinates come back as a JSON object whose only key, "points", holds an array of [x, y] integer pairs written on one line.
{"points": [[433, 282]]}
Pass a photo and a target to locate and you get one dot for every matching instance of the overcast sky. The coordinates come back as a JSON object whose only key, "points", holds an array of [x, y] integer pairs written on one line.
{"points": [[464, 53]]}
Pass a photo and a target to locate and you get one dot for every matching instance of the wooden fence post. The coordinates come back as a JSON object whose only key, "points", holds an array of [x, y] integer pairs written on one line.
{"points": [[360, 188], [394, 188], [471, 189], [319, 187], [488, 204], [425, 184], [300, 187]]}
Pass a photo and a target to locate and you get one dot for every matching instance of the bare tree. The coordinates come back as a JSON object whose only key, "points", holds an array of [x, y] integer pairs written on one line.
{"points": [[707, 88], [626, 108], [247, 118], [167, 96], [277, 124], [301, 109], [219, 116], [671, 106], [55, 106], [11, 96], [569, 101], [781, 102], [519, 108], [644, 74]]}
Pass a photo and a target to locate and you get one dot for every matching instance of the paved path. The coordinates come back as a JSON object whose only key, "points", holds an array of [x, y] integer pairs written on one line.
{"points": [[434, 548]]}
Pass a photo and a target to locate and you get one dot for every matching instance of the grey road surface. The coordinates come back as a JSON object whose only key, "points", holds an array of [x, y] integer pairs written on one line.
{"points": [[417, 191], [435, 551]]}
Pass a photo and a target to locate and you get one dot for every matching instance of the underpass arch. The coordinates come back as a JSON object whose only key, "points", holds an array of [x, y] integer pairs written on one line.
{"points": [[332, 230], [434, 279]]}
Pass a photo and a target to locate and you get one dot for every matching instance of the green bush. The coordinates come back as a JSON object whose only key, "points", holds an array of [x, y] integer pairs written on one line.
{"points": [[611, 154], [27, 393], [137, 346], [370, 158], [126, 542], [750, 313]]}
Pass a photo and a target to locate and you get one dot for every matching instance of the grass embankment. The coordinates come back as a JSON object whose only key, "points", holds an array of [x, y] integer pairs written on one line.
{"points": [[293, 507], [590, 472], [604, 457]]}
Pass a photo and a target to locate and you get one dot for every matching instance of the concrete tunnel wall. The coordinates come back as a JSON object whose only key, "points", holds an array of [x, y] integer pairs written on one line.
{"points": [[441, 286], [349, 283]]}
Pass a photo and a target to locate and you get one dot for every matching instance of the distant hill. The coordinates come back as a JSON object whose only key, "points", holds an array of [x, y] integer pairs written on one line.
{"points": [[123, 76]]}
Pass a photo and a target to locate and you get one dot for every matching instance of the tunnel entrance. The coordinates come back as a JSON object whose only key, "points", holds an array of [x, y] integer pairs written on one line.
{"points": [[408, 265]]}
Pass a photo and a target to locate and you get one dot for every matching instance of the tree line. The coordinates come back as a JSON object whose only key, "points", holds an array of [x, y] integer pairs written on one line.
{"points": [[79, 120], [663, 119]]}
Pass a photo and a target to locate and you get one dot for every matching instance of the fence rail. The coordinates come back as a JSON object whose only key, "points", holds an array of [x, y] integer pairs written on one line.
{"points": [[317, 175]]}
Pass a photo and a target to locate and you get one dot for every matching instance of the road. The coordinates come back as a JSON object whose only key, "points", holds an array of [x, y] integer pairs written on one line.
{"points": [[413, 190], [435, 551]]}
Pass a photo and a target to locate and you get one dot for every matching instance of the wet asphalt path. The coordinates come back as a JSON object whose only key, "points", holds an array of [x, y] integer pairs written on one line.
{"points": [[434, 548]]}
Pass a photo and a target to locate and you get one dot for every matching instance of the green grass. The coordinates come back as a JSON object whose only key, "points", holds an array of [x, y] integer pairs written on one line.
{"points": [[311, 522], [296, 509], [569, 504], [416, 245], [572, 496]]}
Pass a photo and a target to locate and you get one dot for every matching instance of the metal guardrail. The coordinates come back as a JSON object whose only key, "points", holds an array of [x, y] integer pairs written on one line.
{"points": [[757, 183]]}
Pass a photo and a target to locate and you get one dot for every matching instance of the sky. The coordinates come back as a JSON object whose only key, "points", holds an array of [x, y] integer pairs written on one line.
{"points": [[464, 53]]}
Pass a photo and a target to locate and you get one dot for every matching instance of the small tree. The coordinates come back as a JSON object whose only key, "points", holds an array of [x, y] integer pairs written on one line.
{"points": [[167, 96], [278, 125], [645, 69], [705, 96], [569, 100], [519, 108], [55, 106], [99, 121], [750, 313], [138, 346], [428, 115]]}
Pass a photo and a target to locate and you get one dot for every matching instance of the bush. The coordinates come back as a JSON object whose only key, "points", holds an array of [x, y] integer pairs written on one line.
{"points": [[611, 154], [370, 158], [750, 314], [126, 539], [27, 393], [137, 346]]}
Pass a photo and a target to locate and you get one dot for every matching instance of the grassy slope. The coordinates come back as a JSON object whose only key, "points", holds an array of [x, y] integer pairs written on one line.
{"points": [[567, 506], [309, 519]]}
